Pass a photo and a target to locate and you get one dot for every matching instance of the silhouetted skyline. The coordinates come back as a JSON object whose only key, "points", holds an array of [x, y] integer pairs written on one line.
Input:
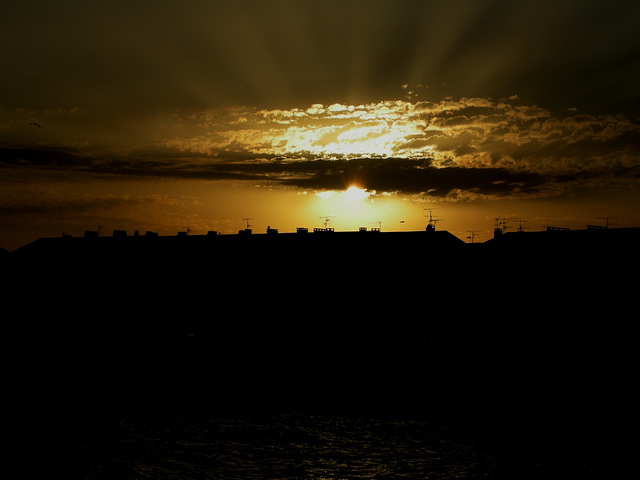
{"points": [[502, 227]]}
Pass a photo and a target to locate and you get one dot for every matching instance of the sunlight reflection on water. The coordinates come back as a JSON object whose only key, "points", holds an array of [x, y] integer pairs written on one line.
{"points": [[296, 446]]}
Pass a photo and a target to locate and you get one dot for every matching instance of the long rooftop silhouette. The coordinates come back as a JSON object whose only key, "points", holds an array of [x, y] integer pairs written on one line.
{"points": [[123, 243], [367, 270]]}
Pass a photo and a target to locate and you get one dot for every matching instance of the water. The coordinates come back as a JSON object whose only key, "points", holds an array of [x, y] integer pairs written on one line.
{"points": [[314, 411], [291, 446]]}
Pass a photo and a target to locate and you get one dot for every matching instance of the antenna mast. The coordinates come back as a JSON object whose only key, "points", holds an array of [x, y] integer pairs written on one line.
{"points": [[432, 221], [501, 224], [606, 219], [326, 220], [520, 228], [247, 220]]}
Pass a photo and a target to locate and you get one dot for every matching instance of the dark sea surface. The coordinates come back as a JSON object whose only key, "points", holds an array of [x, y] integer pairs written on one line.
{"points": [[313, 411], [294, 446]]}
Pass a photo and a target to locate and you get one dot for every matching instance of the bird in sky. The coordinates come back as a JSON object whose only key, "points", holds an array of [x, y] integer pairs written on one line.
{"points": [[35, 124]]}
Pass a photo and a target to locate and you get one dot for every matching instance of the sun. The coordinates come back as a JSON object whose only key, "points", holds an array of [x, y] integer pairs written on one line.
{"points": [[348, 209]]}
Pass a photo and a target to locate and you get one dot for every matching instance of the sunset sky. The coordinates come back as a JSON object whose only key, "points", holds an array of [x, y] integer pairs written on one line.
{"points": [[165, 115]]}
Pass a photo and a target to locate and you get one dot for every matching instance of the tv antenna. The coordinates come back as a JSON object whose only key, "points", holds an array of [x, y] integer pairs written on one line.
{"points": [[501, 223], [188, 229], [520, 227], [326, 219], [432, 221], [247, 220], [606, 219]]}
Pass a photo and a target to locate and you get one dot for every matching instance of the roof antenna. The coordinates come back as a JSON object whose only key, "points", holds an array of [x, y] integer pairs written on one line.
{"points": [[326, 220], [431, 226], [502, 224], [520, 227], [606, 219]]}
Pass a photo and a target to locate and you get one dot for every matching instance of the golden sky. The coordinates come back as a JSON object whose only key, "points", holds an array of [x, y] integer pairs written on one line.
{"points": [[170, 115]]}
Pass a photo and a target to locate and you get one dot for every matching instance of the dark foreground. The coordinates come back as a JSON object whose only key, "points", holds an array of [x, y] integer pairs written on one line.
{"points": [[493, 364]]}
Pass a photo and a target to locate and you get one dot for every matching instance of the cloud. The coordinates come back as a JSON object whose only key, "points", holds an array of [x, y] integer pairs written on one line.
{"points": [[480, 146], [476, 136], [411, 176]]}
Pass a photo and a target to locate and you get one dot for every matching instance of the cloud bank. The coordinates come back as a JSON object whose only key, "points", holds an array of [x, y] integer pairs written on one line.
{"points": [[454, 148]]}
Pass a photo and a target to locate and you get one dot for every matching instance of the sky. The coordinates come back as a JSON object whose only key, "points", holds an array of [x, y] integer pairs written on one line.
{"points": [[171, 116]]}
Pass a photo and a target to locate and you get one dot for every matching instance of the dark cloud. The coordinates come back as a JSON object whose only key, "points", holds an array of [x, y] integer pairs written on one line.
{"points": [[475, 146], [42, 157], [411, 176], [385, 175]]}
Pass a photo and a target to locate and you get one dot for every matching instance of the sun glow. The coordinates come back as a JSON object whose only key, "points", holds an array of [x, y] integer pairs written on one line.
{"points": [[354, 193], [351, 208]]}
